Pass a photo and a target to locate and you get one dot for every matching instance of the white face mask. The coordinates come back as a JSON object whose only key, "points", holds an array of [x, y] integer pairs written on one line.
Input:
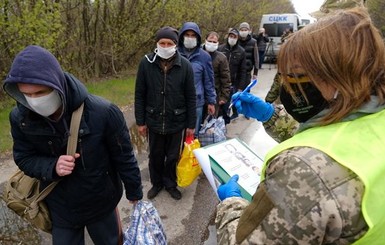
{"points": [[45, 105], [211, 47], [232, 41], [165, 53], [243, 33], [190, 42]]}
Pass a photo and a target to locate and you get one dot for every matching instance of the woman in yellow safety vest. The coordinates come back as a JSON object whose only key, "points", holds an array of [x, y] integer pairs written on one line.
{"points": [[326, 184]]}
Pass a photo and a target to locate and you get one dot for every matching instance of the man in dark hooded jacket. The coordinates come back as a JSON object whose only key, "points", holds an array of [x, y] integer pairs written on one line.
{"points": [[189, 45], [91, 180]]}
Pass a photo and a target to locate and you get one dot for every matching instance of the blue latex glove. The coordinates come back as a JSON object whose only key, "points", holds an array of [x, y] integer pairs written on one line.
{"points": [[230, 189], [252, 106]]}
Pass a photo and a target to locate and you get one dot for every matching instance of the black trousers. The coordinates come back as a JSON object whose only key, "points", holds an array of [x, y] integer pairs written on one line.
{"points": [[107, 231], [165, 150]]}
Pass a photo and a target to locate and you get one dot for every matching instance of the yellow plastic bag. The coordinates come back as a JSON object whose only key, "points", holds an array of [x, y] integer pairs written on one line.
{"points": [[188, 168]]}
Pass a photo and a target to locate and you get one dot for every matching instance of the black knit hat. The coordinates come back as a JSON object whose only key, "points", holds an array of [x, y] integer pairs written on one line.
{"points": [[167, 32]]}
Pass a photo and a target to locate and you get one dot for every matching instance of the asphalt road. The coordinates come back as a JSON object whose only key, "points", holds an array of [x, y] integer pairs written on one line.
{"points": [[188, 221]]}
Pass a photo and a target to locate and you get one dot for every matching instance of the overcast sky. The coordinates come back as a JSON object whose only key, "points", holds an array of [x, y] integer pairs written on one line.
{"points": [[304, 7]]}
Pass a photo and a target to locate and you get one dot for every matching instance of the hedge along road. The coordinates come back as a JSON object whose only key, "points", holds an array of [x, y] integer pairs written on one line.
{"points": [[186, 221]]}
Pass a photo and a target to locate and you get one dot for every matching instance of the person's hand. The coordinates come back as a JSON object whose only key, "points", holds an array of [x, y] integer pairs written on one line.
{"points": [[254, 77], [133, 202], [252, 106], [190, 132], [66, 164], [221, 102], [142, 130], [230, 189], [211, 109]]}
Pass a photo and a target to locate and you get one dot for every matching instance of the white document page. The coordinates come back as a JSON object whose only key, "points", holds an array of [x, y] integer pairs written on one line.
{"points": [[236, 158]]}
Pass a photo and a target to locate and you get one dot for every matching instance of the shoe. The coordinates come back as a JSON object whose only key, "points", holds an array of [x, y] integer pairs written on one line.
{"points": [[154, 191], [174, 192]]}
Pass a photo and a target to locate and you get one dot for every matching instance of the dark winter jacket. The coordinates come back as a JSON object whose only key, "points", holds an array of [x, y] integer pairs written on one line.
{"points": [[202, 66], [221, 75], [165, 98], [236, 57], [262, 41], [94, 188], [249, 44]]}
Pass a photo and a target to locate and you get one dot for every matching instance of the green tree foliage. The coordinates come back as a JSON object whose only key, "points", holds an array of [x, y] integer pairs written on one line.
{"points": [[24, 22], [96, 38], [377, 10]]}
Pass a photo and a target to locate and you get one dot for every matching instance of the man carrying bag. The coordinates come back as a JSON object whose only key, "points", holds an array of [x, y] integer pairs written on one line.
{"points": [[90, 184], [22, 193]]}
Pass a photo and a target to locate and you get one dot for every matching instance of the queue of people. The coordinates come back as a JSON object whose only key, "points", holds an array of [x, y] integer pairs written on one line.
{"points": [[315, 188]]}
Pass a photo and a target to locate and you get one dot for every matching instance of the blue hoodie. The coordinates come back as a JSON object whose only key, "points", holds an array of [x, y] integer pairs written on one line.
{"points": [[36, 65], [202, 66]]}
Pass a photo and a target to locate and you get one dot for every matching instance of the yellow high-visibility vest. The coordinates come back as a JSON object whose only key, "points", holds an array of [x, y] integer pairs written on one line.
{"points": [[360, 146]]}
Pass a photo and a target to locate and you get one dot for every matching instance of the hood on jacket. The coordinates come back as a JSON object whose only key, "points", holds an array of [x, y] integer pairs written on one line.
{"points": [[36, 65], [189, 26]]}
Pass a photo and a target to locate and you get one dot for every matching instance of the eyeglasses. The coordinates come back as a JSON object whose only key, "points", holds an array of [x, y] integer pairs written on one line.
{"points": [[295, 78]]}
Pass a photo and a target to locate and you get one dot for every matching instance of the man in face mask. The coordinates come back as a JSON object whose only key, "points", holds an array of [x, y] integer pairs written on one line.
{"points": [[189, 45], [91, 179], [165, 109], [250, 45], [221, 71], [236, 57]]}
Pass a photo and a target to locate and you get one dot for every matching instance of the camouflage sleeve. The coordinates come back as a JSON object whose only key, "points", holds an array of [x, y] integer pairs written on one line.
{"points": [[314, 201], [228, 213], [273, 94], [281, 125]]}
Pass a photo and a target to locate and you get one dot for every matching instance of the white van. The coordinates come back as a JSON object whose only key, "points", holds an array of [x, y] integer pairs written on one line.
{"points": [[275, 25], [307, 20]]}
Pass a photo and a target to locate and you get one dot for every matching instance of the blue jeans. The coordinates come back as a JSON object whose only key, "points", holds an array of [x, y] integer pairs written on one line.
{"points": [[198, 123]]}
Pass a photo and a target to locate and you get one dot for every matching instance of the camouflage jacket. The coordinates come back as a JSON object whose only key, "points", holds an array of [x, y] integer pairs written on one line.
{"points": [[273, 93], [281, 125], [306, 198]]}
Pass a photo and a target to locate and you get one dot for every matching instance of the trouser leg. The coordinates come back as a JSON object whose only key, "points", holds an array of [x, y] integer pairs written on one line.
{"points": [[65, 236], [173, 143], [107, 231], [261, 58], [156, 158], [199, 113]]}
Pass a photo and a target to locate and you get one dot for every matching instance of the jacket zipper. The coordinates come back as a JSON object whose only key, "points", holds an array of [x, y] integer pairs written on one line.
{"points": [[164, 99], [81, 153]]}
